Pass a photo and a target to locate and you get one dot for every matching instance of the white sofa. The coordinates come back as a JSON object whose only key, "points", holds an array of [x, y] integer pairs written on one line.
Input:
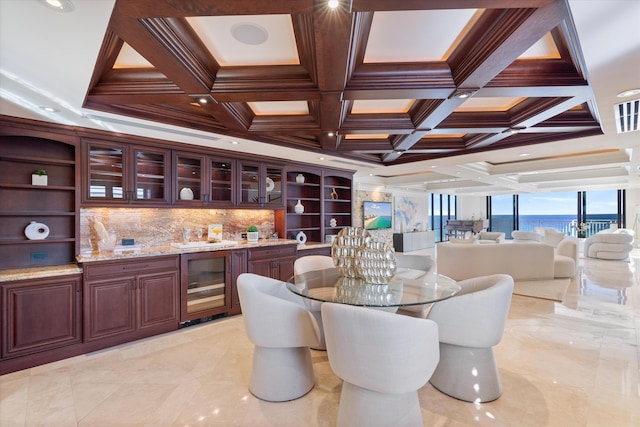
{"points": [[521, 260], [609, 244]]}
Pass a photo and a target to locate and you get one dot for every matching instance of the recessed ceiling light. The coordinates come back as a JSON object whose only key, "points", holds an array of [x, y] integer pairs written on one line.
{"points": [[629, 92], [59, 5], [321, 158], [49, 109], [333, 4], [234, 142], [330, 134], [202, 100], [524, 154], [249, 33]]}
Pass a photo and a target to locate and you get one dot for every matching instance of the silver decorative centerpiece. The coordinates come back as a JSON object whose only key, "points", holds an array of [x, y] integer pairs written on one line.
{"points": [[357, 255]]}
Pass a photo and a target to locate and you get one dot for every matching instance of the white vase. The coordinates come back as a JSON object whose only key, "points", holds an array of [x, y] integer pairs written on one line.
{"points": [[300, 178], [298, 208]]}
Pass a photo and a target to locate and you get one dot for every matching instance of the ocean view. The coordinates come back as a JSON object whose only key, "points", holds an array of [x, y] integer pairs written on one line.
{"points": [[563, 223]]}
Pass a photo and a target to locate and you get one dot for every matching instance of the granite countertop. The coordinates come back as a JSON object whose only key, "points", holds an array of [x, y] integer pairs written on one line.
{"points": [[139, 252], [38, 272]]}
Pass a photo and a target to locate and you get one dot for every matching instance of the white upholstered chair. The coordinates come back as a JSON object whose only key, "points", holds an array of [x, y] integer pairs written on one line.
{"points": [[470, 325], [609, 244], [416, 262], [312, 263], [383, 359], [282, 330]]}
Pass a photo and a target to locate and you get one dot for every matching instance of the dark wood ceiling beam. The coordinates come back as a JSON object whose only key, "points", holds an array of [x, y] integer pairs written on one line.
{"points": [[377, 123], [386, 5], [264, 83], [498, 39], [285, 124], [303, 31], [157, 42], [173, 8], [333, 45], [538, 73]]}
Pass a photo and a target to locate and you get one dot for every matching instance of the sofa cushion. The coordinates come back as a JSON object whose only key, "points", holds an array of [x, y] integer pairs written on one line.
{"points": [[526, 235], [609, 250], [563, 266]]}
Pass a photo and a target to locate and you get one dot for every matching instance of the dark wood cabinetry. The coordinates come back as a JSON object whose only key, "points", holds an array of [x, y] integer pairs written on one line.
{"points": [[123, 174], [126, 300], [337, 195], [260, 185], [41, 315], [325, 194], [238, 266], [53, 205], [201, 180], [272, 261]]}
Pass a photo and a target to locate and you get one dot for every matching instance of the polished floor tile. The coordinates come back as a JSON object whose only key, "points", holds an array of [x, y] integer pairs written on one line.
{"points": [[569, 363]]}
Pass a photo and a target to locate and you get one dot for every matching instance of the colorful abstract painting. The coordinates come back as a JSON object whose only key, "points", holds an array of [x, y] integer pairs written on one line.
{"points": [[411, 213]]}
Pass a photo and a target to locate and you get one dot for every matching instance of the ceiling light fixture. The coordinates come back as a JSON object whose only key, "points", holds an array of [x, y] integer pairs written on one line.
{"points": [[49, 109], [202, 100], [58, 5], [525, 155], [333, 4], [234, 142], [330, 134], [463, 93], [629, 92]]}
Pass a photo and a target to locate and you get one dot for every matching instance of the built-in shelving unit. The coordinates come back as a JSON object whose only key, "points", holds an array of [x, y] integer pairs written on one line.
{"points": [[53, 205], [325, 194]]}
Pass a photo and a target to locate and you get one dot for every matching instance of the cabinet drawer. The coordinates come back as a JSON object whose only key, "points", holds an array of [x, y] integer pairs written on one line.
{"points": [[109, 268], [273, 252]]}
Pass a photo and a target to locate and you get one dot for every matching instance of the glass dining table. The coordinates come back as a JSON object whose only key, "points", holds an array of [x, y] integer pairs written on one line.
{"points": [[406, 288]]}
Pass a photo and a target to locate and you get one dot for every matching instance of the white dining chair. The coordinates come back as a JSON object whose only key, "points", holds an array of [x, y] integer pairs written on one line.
{"points": [[305, 264], [420, 263], [282, 330], [470, 325], [383, 359]]}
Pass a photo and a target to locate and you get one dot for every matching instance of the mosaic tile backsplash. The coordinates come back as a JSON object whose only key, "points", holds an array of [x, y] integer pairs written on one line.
{"points": [[157, 227]]}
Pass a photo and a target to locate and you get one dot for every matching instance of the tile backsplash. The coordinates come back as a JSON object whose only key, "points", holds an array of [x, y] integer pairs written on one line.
{"points": [[156, 227]]}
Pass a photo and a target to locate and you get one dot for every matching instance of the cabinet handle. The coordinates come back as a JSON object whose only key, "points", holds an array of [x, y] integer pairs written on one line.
{"points": [[134, 267]]}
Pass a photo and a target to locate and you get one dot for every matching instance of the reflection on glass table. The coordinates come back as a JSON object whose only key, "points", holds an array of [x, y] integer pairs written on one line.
{"points": [[406, 288]]}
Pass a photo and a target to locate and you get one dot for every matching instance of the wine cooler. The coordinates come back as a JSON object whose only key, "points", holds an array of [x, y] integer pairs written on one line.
{"points": [[206, 284]]}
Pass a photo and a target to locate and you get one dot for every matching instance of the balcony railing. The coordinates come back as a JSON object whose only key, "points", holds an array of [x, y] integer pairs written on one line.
{"points": [[569, 228]]}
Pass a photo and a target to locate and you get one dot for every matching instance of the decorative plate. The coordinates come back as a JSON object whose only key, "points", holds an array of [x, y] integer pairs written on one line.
{"points": [[270, 184]]}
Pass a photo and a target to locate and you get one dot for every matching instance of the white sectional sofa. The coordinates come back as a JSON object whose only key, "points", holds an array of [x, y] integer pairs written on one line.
{"points": [[521, 260]]}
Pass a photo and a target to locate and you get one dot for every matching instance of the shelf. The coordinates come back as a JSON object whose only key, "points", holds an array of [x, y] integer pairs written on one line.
{"points": [[38, 160], [39, 187], [198, 289], [37, 213], [33, 242]]}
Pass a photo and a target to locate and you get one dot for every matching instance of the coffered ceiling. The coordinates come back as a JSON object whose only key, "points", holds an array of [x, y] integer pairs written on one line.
{"points": [[476, 96]]}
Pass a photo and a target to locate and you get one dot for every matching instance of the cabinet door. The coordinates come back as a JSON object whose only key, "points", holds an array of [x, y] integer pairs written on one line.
{"points": [[40, 315], [260, 185], [109, 308], [222, 183], [158, 299], [105, 167], [190, 179], [150, 177]]}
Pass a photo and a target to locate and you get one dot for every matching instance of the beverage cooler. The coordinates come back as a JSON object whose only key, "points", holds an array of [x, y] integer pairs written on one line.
{"points": [[206, 284]]}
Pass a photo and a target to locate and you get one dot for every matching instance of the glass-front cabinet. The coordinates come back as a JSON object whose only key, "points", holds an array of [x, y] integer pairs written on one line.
{"points": [[203, 180], [260, 185], [122, 174], [206, 284]]}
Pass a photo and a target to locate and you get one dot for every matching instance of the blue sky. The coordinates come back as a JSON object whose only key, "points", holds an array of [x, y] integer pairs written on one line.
{"points": [[598, 202]]}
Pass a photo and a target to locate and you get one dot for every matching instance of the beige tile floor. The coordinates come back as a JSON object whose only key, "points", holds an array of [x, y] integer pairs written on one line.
{"points": [[573, 363]]}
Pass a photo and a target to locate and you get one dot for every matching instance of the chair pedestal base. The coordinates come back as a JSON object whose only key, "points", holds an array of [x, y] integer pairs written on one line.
{"points": [[467, 373], [281, 374], [362, 407]]}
